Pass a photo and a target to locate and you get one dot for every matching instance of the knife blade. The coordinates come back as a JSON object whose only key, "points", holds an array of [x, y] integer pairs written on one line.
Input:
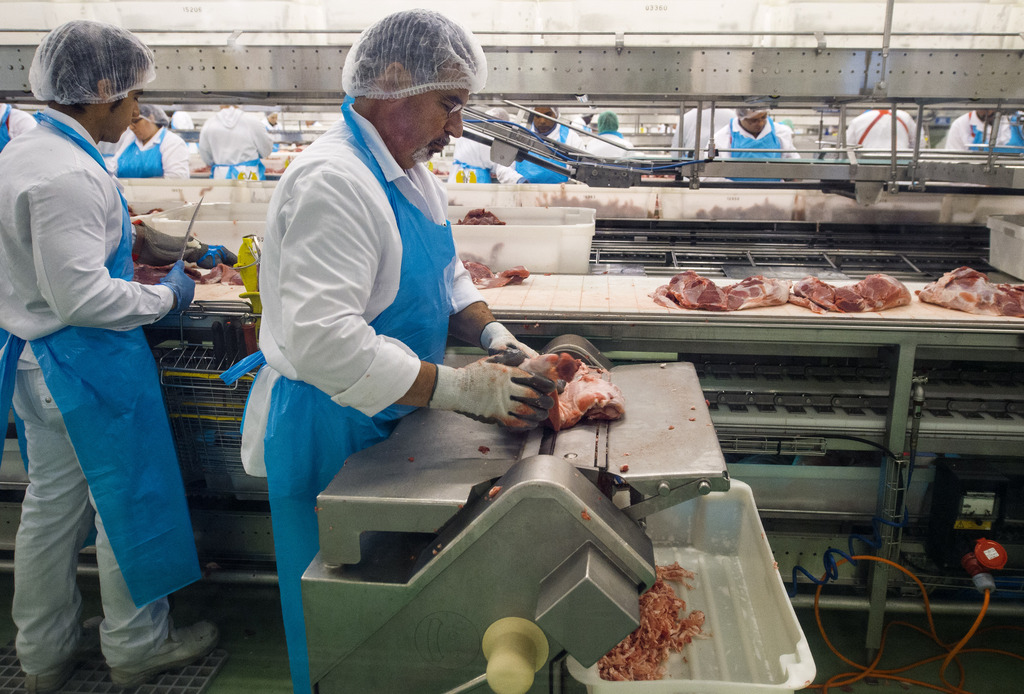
{"points": [[188, 231]]}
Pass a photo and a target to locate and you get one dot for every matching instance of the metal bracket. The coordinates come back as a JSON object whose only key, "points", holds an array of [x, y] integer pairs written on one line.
{"points": [[606, 176], [819, 36], [620, 41], [668, 497]]}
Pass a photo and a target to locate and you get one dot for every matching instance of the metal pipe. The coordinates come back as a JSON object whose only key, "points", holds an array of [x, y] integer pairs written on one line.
{"points": [[909, 606], [221, 576]]}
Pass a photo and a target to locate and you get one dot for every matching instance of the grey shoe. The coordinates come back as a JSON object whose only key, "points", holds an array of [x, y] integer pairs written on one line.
{"points": [[182, 647], [52, 680]]}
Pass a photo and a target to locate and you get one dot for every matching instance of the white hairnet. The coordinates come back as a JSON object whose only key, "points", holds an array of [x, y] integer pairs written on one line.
{"points": [[435, 52], [750, 111], [154, 114], [75, 58]]}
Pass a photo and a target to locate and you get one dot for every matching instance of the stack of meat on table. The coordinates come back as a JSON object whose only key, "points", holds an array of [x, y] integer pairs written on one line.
{"points": [[962, 289]]}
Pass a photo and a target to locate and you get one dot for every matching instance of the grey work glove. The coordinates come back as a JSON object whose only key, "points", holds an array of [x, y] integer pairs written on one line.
{"points": [[493, 392], [495, 337]]}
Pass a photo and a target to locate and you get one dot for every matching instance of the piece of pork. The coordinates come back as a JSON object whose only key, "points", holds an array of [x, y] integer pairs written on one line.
{"points": [[222, 274], [970, 291], [873, 293], [587, 393], [480, 216], [152, 274], [692, 291], [483, 278]]}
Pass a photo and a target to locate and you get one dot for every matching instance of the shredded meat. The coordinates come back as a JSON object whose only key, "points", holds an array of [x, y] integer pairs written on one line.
{"points": [[970, 291], [692, 291], [642, 654], [873, 293], [480, 216], [483, 278]]}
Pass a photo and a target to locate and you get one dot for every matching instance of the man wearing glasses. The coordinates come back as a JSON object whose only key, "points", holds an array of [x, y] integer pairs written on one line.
{"points": [[361, 286]]}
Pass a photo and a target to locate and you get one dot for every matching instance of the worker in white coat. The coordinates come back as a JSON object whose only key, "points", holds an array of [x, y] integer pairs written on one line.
{"points": [[609, 141], [151, 150], [550, 129], [361, 286], [233, 143], [686, 136], [472, 160], [753, 132], [13, 122], [84, 380], [873, 130], [973, 130]]}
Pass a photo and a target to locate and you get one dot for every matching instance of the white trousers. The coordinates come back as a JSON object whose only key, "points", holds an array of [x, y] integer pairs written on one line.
{"points": [[56, 518]]}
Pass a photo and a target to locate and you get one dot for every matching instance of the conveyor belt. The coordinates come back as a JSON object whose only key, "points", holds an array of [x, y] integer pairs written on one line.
{"points": [[737, 249]]}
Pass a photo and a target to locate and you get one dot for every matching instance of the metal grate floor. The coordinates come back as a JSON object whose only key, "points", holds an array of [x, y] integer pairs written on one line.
{"points": [[93, 677]]}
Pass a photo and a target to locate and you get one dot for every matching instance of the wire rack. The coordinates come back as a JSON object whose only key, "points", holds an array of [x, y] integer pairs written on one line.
{"points": [[206, 418]]}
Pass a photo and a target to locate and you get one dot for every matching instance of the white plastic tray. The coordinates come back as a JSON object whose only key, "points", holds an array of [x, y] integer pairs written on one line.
{"points": [[543, 239], [753, 642], [1006, 244]]}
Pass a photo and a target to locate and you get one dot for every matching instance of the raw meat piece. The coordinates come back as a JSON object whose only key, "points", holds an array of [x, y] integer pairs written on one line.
{"points": [[483, 278], [873, 293], [587, 395], [480, 216], [641, 655], [970, 291], [152, 274], [690, 290], [222, 274]]}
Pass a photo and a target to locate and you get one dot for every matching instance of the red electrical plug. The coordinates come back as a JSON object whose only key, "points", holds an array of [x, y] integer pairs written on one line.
{"points": [[987, 555]]}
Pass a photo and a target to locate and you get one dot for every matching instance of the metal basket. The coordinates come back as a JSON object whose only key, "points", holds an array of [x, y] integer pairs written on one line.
{"points": [[206, 420]]}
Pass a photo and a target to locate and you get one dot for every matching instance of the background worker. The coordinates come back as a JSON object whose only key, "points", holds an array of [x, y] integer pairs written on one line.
{"points": [[873, 130], [151, 150], [754, 132], [686, 135], [973, 130], [472, 160], [233, 143], [548, 128], [609, 141], [361, 286], [84, 379], [13, 122]]}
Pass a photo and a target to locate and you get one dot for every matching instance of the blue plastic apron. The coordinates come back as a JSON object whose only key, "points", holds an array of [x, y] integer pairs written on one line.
{"points": [[1014, 145], [309, 436], [241, 170], [5, 128], [105, 384], [535, 173], [751, 147], [135, 162], [482, 175]]}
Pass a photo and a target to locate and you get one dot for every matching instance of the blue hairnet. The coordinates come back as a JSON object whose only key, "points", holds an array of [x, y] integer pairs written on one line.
{"points": [[75, 58], [436, 52]]}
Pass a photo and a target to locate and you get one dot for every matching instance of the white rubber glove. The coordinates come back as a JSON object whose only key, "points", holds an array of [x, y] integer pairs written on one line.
{"points": [[493, 392], [495, 337]]}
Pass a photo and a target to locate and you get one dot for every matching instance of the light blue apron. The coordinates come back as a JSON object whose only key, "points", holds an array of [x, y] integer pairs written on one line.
{"points": [[535, 173], [309, 436], [105, 384], [1014, 145], [751, 147], [5, 128], [482, 175], [135, 162], [244, 167]]}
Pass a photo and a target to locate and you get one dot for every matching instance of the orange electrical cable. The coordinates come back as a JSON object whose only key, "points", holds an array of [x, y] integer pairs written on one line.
{"points": [[951, 656]]}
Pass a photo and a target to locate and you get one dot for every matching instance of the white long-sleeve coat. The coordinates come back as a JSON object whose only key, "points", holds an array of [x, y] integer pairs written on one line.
{"points": [[232, 136]]}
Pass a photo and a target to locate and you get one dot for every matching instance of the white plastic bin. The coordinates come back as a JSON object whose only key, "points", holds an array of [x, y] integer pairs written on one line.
{"points": [[543, 239], [753, 641], [218, 223], [1006, 244]]}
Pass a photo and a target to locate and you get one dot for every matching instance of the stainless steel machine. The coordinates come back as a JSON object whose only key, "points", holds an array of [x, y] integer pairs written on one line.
{"points": [[430, 537]]}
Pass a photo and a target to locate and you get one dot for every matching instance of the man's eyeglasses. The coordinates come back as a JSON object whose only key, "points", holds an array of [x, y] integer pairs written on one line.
{"points": [[451, 106]]}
